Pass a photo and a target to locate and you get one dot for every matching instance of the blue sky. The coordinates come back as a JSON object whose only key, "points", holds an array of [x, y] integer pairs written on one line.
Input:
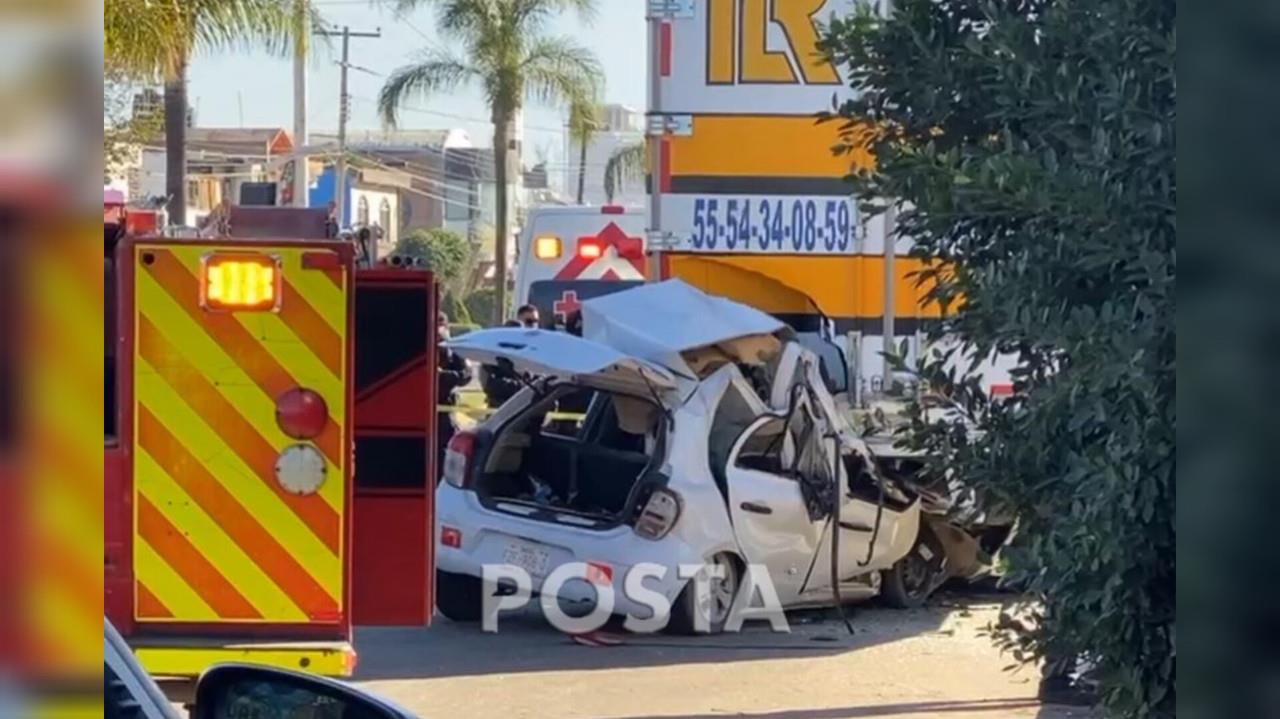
{"points": [[231, 89]]}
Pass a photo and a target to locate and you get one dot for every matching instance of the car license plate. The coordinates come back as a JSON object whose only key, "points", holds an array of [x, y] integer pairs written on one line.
{"points": [[528, 557]]}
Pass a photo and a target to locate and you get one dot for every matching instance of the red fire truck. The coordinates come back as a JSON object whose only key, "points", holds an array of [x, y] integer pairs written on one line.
{"points": [[238, 525]]}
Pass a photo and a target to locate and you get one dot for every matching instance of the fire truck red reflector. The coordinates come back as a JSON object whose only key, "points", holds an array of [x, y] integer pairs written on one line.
{"points": [[451, 537], [599, 573], [613, 210], [590, 250], [302, 413], [333, 615]]}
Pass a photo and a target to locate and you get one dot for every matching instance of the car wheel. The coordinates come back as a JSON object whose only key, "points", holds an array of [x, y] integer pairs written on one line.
{"points": [[458, 596], [715, 606], [910, 581]]}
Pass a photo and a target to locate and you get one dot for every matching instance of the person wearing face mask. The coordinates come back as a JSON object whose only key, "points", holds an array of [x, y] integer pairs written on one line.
{"points": [[527, 316], [452, 373]]}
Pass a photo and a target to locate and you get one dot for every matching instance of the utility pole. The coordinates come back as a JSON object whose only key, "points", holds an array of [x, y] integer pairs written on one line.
{"points": [[301, 179], [344, 112], [890, 273], [890, 279]]}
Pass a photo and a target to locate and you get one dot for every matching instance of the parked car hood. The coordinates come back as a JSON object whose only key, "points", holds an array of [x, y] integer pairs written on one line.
{"points": [[658, 322], [565, 357]]}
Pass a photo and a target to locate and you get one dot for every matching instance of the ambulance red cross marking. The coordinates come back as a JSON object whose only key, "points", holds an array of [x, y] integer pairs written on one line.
{"points": [[566, 305], [626, 262]]}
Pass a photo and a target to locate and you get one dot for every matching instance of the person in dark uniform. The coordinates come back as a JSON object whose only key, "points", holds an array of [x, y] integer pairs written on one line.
{"points": [[577, 401], [452, 373], [499, 381]]}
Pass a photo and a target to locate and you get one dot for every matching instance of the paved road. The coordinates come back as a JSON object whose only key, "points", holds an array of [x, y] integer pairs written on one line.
{"points": [[925, 663]]}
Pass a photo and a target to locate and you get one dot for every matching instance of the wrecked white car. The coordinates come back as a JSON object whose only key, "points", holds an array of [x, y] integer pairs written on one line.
{"points": [[709, 438]]}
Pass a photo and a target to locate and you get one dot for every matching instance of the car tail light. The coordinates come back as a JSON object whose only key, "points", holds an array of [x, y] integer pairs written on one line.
{"points": [[659, 514], [450, 536], [599, 573], [458, 457], [590, 249], [613, 210]]}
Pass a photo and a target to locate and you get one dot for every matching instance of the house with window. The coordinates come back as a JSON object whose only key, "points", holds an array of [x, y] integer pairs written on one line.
{"points": [[221, 163], [373, 199]]}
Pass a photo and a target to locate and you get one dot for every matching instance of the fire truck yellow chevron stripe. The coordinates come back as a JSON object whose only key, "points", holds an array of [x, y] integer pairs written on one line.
{"points": [[222, 552], [232, 473], [323, 296], [259, 342], [173, 383], [273, 334], [168, 586], [228, 541], [207, 358], [231, 517]]}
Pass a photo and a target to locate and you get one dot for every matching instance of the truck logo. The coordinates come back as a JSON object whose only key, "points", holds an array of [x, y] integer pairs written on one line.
{"points": [[738, 51]]}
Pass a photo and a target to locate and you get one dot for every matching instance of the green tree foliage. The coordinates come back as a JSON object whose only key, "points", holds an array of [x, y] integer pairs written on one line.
{"points": [[1031, 145], [584, 120], [149, 40], [480, 303], [626, 163], [446, 252], [451, 257], [509, 54], [123, 132]]}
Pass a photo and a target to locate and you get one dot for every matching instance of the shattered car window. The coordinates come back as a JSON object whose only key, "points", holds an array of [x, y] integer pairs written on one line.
{"points": [[762, 451], [812, 464]]}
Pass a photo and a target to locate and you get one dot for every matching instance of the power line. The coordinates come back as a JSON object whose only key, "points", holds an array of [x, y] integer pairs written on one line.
{"points": [[344, 109], [468, 118]]}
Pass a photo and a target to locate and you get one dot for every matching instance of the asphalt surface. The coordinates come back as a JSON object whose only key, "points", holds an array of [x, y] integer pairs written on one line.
{"points": [[922, 663]]}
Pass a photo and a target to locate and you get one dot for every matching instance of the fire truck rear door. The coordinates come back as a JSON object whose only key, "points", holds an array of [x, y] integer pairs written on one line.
{"points": [[240, 432]]}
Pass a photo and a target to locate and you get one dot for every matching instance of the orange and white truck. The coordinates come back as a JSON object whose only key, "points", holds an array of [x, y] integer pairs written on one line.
{"points": [[746, 198]]}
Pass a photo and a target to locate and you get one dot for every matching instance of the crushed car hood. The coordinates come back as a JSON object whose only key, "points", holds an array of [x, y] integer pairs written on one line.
{"points": [[659, 322], [561, 355]]}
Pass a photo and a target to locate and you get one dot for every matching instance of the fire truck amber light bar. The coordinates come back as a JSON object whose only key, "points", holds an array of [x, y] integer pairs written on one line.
{"points": [[240, 282]]}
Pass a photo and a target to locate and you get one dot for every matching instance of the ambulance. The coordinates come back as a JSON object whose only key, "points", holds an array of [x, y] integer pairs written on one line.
{"points": [[570, 254]]}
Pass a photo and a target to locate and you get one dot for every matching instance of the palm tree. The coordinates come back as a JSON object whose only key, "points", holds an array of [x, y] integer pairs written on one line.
{"points": [[626, 163], [509, 55], [583, 123], [153, 40]]}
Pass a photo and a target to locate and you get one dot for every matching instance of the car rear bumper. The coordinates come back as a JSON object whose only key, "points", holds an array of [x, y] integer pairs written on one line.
{"points": [[486, 535]]}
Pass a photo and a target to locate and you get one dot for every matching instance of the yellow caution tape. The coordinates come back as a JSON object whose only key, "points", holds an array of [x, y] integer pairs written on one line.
{"points": [[486, 411]]}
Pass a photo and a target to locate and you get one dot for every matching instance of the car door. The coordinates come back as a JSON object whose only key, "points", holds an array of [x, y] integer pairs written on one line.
{"points": [[771, 519]]}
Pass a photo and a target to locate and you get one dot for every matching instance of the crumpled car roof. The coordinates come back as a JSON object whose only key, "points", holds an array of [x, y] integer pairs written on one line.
{"points": [[658, 322]]}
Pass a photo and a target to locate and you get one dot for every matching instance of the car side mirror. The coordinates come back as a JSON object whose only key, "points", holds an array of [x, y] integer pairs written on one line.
{"points": [[230, 691]]}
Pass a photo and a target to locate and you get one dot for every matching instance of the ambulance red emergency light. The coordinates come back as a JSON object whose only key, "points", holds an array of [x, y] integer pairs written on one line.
{"points": [[566, 255]]}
